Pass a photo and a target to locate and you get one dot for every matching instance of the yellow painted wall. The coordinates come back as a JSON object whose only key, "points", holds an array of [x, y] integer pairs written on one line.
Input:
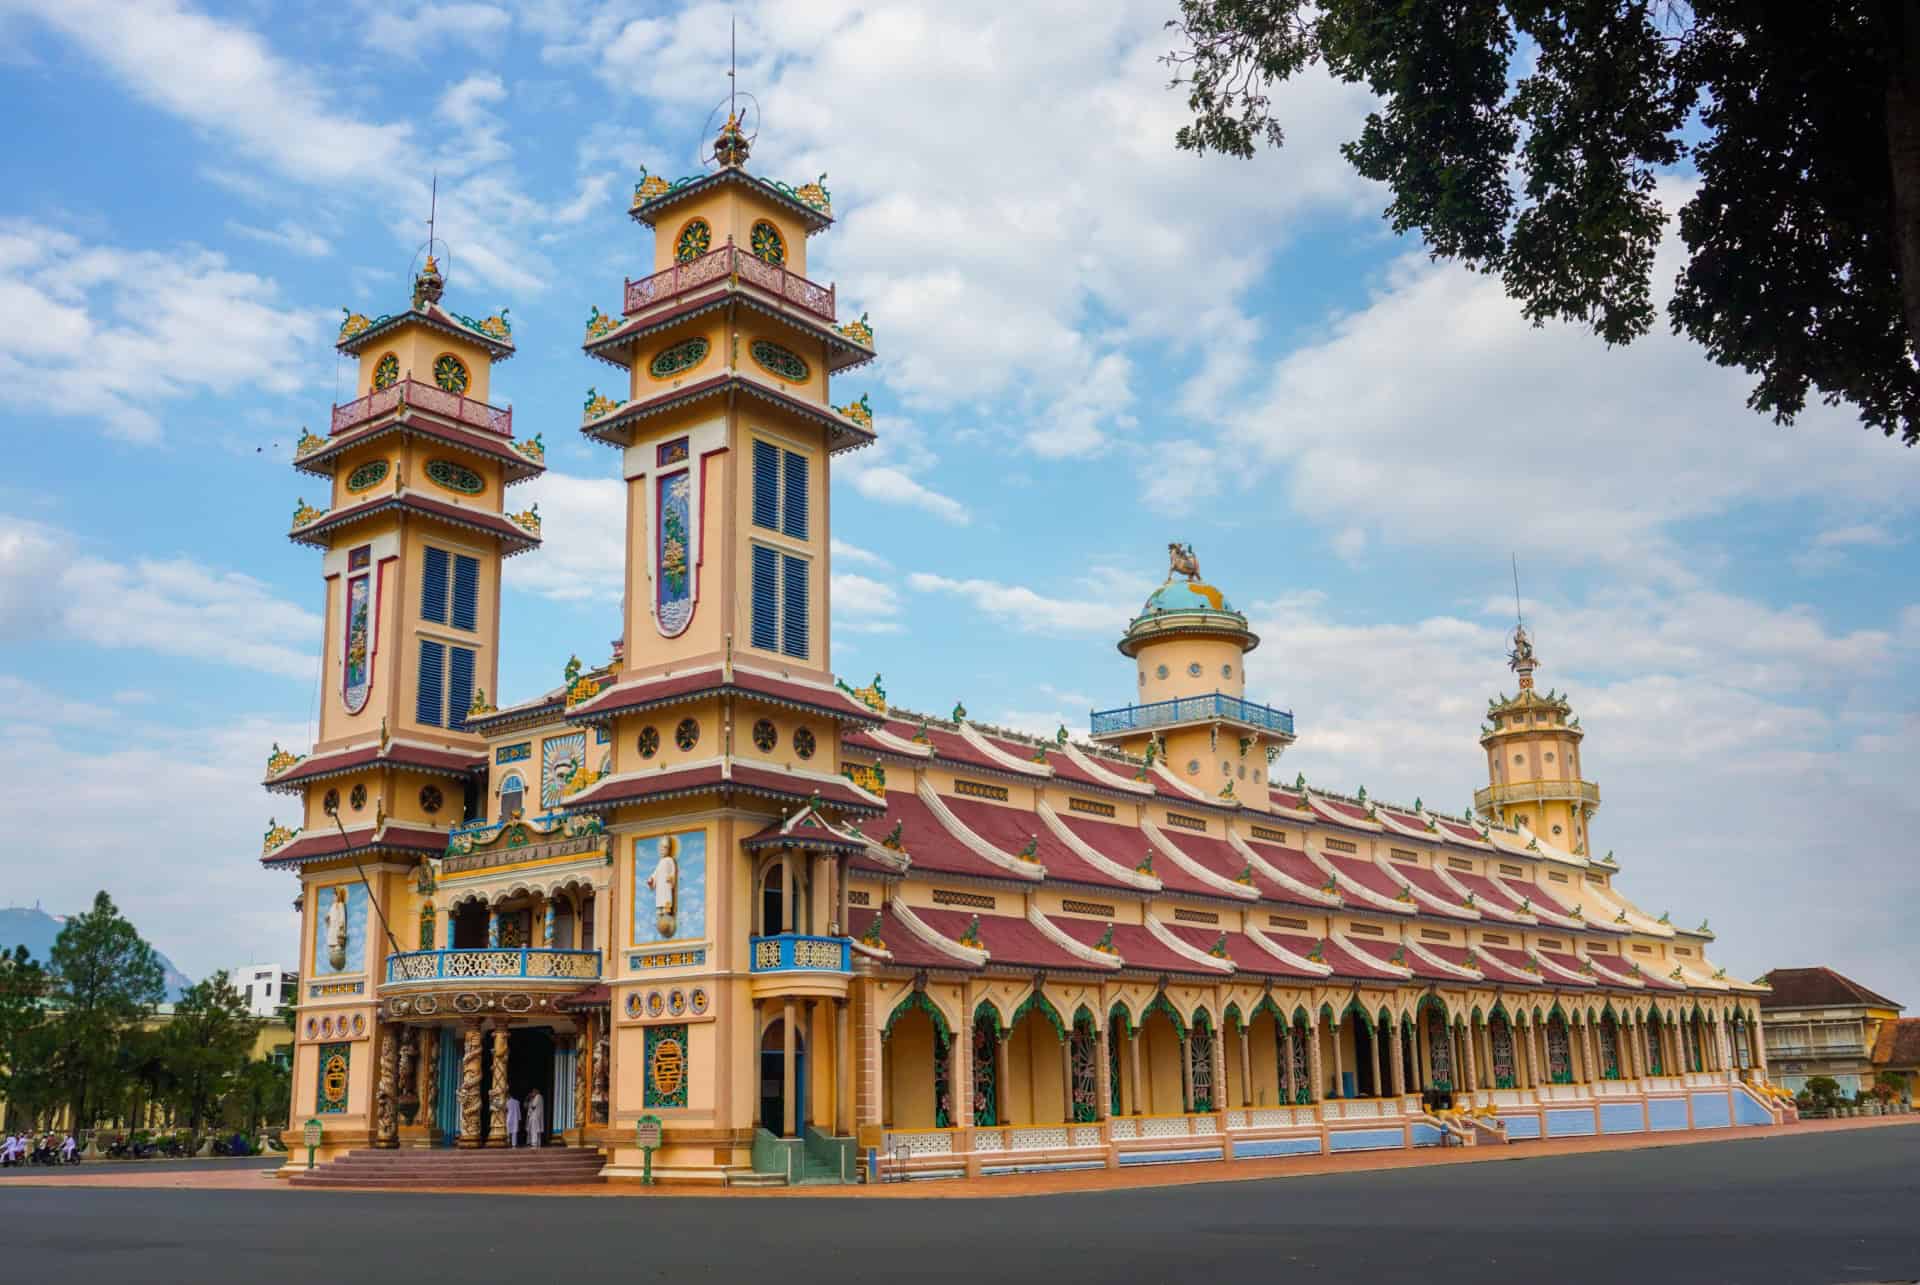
{"points": [[417, 348], [910, 1052], [1219, 660], [711, 327], [730, 210], [1160, 1065]]}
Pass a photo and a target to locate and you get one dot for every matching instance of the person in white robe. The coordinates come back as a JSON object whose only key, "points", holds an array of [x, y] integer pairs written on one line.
{"points": [[536, 1118], [513, 1121]]}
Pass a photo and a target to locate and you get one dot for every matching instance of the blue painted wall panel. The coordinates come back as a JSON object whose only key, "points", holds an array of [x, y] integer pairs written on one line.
{"points": [[1522, 1126], [1621, 1117], [1710, 1111], [1666, 1113], [1425, 1135], [1167, 1157], [1365, 1139], [1748, 1111], [1276, 1147], [1569, 1124]]}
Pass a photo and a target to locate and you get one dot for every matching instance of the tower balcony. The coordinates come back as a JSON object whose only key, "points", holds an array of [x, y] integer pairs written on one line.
{"points": [[513, 965], [426, 397], [800, 964], [727, 263], [1216, 708], [1537, 792]]}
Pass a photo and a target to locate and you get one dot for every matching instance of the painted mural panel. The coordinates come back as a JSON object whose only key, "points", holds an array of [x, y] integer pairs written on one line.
{"points": [[560, 758], [357, 679], [674, 585], [670, 887], [340, 937], [667, 1069], [330, 1094]]}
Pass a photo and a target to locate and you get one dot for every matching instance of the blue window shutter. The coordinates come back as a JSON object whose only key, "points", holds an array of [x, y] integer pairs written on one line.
{"points": [[793, 631], [430, 703], [433, 586], [766, 595], [766, 485], [793, 512], [459, 686], [466, 591]]}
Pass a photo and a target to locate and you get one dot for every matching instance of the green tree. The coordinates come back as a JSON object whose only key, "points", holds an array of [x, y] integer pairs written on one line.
{"points": [[262, 1096], [1525, 138], [23, 995], [205, 1045], [105, 981]]}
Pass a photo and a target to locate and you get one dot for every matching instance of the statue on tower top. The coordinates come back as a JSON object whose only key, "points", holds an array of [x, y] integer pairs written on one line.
{"points": [[1521, 659], [1181, 561], [732, 146]]}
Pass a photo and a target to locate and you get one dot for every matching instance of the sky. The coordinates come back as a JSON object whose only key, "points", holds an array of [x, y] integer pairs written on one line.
{"points": [[1091, 345]]}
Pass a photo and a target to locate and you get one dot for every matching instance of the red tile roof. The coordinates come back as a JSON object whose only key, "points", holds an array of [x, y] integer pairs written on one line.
{"points": [[1898, 1044], [1571, 965], [1242, 952], [650, 693], [1139, 948], [454, 763], [324, 844], [1515, 961], [928, 843], [1009, 829], [1069, 771], [1291, 862], [517, 467], [1127, 846], [1343, 962], [1433, 885], [1819, 988], [1007, 940], [906, 948], [1614, 969], [1361, 873], [514, 538], [1487, 895]]}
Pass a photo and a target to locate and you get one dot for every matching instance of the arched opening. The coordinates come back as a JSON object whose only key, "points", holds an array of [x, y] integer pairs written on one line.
{"points": [[1500, 1041], [1301, 1055], [1163, 1046], [1559, 1048], [1440, 1076], [1123, 1096], [1036, 1090], [777, 889], [918, 1052], [773, 1078], [1200, 1045], [1364, 1078], [513, 794], [988, 1042], [1608, 1032], [1084, 1050], [1653, 1026], [1266, 1060], [468, 924]]}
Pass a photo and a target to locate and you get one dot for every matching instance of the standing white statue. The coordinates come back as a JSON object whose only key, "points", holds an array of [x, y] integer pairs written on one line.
{"points": [[513, 1121], [336, 929], [665, 885]]}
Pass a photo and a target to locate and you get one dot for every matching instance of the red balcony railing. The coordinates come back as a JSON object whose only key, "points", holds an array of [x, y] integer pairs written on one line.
{"points": [[717, 265], [429, 397]]}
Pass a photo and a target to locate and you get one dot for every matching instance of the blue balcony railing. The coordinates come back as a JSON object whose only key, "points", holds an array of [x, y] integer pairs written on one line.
{"points": [[802, 953], [494, 964], [1191, 709]]}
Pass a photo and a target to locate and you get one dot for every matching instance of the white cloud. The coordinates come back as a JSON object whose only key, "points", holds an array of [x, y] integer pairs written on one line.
{"points": [[583, 525], [892, 486], [117, 332], [1023, 608], [289, 236], [863, 605], [424, 32], [172, 606], [857, 556], [1829, 548]]}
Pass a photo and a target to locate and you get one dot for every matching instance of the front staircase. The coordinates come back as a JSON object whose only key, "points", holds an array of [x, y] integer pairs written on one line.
{"points": [[452, 1167]]}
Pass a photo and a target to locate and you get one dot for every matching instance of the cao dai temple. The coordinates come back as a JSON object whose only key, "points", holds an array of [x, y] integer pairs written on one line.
{"points": [[812, 934]]}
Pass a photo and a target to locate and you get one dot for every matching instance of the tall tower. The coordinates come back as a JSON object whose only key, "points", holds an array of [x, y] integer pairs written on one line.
{"points": [[728, 426], [1189, 646], [413, 536], [1533, 760]]}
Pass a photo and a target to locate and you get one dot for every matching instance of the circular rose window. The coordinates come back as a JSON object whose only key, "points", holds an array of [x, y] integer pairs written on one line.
{"points": [[430, 799], [687, 735], [764, 737], [649, 742], [803, 743], [358, 799], [331, 803]]}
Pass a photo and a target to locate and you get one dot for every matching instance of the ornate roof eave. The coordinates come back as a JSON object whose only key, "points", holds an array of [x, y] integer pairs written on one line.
{"points": [[726, 785], [529, 714], [515, 540], [843, 433], [434, 318], [588, 716], [613, 347], [646, 212], [294, 778], [516, 466]]}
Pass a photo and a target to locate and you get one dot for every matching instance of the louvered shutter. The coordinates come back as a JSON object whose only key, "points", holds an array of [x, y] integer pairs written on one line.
{"points": [[793, 631], [430, 702], [766, 485], [466, 591], [766, 598], [793, 509], [433, 586], [459, 686]]}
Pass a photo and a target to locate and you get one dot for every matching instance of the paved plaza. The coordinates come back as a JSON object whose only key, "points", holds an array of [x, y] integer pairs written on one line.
{"points": [[1823, 1206]]}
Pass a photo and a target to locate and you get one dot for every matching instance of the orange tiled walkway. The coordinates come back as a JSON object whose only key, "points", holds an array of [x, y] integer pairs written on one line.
{"points": [[111, 1174]]}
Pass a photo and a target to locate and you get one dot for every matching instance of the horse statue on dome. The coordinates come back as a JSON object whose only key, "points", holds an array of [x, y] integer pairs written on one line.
{"points": [[1181, 561]]}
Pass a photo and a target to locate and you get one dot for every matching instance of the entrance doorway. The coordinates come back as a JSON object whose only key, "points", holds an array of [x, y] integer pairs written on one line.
{"points": [[530, 1067], [773, 1080]]}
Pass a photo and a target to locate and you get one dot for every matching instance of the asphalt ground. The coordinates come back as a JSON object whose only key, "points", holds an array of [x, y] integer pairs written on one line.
{"points": [[1820, 1208]]}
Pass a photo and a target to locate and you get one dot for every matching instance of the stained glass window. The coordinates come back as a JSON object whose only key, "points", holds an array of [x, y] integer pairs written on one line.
{"points": [[386, 371], [367, 476], [779, 361], [1114, 1036], [1302, 1064], [694, 240], [1440, 1050], [1200, 1049], [942, 1079], [1082, 1047], [986, 1041], [1559, 1051], [450, 373], [1609, 1050], [767, 243], [455, 477], [1653, 1045], [1500, 1035], [676, 358]]}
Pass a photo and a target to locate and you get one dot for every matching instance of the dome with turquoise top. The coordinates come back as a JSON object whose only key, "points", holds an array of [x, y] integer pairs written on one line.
{"points": [[1186, 604]]}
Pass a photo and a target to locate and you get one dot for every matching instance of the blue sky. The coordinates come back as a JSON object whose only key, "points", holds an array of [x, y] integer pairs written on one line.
{"points": [[1091, 345]]}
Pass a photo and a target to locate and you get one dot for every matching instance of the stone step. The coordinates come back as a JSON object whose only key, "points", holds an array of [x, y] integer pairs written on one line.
{"points": [[481, 1167], [743, 1177]]}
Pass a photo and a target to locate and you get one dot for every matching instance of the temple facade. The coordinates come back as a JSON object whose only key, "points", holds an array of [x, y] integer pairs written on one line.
{"points": [[813, 935]]}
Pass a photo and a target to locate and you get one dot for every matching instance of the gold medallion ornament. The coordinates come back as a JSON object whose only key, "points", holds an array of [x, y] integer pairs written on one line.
{"points": [[668, 1068]]}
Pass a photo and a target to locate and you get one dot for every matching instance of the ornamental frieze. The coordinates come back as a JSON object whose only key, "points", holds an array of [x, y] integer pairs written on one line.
{"points": [[497, 858]]}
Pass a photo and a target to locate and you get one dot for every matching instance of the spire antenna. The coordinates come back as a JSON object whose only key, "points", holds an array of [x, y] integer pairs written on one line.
{"points": [[733, 62], [1518, 617], [433, 209]]}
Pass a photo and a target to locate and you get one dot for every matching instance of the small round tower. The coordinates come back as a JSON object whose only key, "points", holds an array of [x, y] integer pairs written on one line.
{"points": [[1533, 760], [1188, 645]]}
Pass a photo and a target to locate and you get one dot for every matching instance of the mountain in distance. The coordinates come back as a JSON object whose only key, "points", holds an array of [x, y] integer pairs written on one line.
{"points": [[35, 929]]}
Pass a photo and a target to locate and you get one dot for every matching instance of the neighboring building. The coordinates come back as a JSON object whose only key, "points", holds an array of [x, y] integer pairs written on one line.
{"points": [[1896, 1053], [708, 882], [265, 986], [1818, 1022]]}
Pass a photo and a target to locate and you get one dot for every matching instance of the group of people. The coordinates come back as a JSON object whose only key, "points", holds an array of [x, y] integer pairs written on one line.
{"points": [[20, 1148], [533, 1115]]}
